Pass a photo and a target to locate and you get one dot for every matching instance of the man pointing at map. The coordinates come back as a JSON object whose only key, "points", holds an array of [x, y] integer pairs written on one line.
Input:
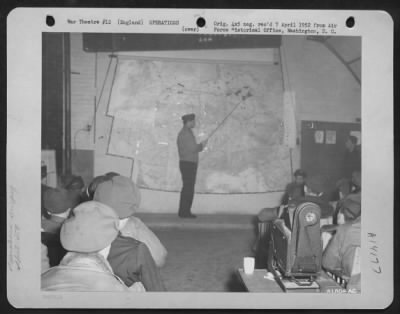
{"points": [[188, 150]]}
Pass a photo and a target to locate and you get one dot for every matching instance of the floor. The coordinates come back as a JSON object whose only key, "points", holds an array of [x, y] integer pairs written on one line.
{"points": [[203, 253]]}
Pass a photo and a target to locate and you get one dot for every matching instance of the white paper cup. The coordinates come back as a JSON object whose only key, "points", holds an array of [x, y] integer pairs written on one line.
{"points": [[248, 265]]}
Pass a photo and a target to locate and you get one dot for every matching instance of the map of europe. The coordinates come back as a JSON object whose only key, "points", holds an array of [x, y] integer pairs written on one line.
{"points": [[244, 155]]}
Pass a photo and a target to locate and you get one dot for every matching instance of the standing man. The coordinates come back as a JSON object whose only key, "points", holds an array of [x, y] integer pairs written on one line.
{"points": [[188, 150], [351, 163], [352, 158]]}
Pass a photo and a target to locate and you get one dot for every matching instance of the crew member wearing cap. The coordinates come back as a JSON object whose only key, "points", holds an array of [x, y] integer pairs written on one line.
{"points": [[352, 158], [57, 202], [121, 194], [88, 193], [339, 254], [188, 150], [296, 188], [313, 192], [129, 258], [87, 236]]}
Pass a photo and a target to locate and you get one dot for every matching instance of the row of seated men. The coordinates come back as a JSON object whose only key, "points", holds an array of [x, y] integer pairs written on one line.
{"points": [[91, 240], [340, 223]]}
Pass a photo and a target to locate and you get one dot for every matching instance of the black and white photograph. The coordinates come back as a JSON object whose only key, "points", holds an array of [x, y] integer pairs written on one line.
{"points": [[230, 162]]}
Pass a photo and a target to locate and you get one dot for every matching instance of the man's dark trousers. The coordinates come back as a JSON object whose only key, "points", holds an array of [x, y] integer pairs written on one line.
{"points": [[188, 171]]}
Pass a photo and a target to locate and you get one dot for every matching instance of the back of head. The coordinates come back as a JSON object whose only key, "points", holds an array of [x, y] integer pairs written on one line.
{"points": [[58, 201], [94, 184], [91, 227], [121, 194]]}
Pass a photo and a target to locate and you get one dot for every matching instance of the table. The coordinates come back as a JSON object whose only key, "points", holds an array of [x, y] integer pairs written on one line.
{"points": [[257, 283]]}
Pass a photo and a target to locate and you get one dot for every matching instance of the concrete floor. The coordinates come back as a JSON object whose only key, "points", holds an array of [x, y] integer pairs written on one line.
{"points": [[203, 253]]}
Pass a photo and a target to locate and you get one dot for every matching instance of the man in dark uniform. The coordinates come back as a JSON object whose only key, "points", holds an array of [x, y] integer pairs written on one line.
{"points": [[188, 150], [352, 158], [351, 164]]}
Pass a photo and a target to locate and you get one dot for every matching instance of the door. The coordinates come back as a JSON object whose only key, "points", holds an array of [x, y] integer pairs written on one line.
{"points": [[323, 148], [52, 95]]}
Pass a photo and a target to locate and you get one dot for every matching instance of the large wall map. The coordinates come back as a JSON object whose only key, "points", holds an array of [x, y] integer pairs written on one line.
{"points": [[245, 155]]}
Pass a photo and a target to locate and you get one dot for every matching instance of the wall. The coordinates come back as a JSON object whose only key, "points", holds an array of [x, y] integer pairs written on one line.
{"points": [[324, 90]]}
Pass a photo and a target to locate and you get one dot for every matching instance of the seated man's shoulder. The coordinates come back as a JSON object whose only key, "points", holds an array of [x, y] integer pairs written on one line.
{"points": [[123, 241], [127, 246], [127, 251]]}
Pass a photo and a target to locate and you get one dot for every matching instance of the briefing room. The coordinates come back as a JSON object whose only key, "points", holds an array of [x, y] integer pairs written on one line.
{"points": [[200, 163]]}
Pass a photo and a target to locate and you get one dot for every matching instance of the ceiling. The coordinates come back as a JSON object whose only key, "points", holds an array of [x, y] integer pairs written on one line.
{"points": [[347, 49]]}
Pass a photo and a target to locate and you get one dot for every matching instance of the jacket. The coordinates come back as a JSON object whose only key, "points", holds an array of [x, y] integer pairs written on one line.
{"points": [[137, 230], [132, 262], [188, 148], [339, 254], [351, 163], [293, 191], [81, 272]]}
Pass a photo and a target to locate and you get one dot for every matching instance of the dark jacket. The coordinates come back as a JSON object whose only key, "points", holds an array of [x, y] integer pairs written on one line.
{"points": [[339, 254], [188, 149], [351, 163], [293, 191], [131, 261]]}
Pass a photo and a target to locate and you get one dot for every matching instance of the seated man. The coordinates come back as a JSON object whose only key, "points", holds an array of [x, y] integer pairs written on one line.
{"points": [[355, 190], [121, 194], [86, 235], [313, 192], [339, 253], [137, 251], [57, 204], [295, 189], [88, 193]]}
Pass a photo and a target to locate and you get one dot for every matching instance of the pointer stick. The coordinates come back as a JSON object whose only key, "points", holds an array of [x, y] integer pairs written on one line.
{"points": [[222, 122]]}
